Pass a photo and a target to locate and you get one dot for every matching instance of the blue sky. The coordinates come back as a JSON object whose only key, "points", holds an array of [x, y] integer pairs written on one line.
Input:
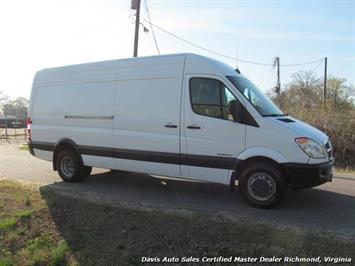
{"points": [[44, 33]]}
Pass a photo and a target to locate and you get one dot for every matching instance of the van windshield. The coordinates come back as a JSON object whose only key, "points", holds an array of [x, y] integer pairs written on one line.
{"points": [[253, 94]]}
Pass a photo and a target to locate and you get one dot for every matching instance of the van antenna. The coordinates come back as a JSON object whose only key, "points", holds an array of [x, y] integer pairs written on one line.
{"points": [[236, 61]]}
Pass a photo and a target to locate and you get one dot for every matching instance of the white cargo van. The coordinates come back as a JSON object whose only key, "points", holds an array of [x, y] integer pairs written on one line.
{"points": [[180, 115]]}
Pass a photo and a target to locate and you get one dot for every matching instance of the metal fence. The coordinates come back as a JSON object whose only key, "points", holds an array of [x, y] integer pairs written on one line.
{"points": [[12, 127]]}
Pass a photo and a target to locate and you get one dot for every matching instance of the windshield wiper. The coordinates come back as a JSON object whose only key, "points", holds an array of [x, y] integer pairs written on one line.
{"points": [[275, 115]]}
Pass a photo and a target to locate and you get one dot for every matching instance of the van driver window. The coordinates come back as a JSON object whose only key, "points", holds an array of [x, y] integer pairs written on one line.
{"points": [[210, 97]]}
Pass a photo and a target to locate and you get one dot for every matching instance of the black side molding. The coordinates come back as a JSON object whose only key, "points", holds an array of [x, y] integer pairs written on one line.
{"points": [[30, 148], [150, 156], [44, 146]]}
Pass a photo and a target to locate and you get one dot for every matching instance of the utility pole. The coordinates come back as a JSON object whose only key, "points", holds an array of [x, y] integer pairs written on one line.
{"points": [[278, 84], [136, 5], [325, 82], [6, 127], [236, 57]]}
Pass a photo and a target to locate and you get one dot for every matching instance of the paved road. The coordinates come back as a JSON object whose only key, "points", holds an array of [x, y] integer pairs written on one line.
{"points": [[330, 206]]}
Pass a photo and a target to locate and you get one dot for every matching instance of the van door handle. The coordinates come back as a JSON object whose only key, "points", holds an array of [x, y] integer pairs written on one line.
{"points": [[171, 126], [194, 127]]}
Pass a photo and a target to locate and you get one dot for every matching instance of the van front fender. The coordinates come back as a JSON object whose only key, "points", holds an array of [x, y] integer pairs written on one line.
{"points": [[263, 152]]}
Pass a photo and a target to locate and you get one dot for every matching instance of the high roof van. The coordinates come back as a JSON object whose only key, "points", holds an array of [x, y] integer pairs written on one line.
{"points": [[180, 115]]}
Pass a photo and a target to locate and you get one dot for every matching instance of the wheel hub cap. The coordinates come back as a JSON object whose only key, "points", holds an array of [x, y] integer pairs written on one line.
{"points": [[261, 186], [67, 166]]}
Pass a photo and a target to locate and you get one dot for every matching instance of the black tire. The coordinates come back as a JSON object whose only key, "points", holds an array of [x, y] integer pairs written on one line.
{"points": [[262, 185], [69, 167]]}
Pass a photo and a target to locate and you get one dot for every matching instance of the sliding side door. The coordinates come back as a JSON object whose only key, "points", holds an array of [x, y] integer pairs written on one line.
{"points": [[147, 117]]}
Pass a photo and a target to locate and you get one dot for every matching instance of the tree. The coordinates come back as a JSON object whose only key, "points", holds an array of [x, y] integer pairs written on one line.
{"points": [[3, 99], [16, 107], [303, 92], [340, 95]]}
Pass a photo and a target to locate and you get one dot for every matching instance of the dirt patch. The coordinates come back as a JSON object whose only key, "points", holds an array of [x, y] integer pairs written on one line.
{"points": [[12, 142]]}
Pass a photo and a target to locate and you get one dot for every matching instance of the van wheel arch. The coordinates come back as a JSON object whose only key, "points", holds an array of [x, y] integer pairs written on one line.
{"points": [[65, 144], [245, 163]]}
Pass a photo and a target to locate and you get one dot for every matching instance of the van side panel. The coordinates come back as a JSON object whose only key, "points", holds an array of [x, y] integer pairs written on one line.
{"points": [[78, 110], [147, 117]]}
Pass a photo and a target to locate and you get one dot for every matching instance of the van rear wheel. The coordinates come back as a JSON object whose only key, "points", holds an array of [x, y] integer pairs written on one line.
{"points": [[262, 185], [69, 167]]}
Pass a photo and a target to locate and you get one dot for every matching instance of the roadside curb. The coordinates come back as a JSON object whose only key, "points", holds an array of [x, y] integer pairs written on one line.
{"points": [[348, 176]]}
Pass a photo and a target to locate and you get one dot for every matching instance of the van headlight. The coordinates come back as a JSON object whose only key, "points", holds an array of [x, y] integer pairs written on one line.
{"points": [[311, 147]]}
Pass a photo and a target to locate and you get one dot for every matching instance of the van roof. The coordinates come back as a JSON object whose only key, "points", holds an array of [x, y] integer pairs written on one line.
{"points": [[140, 58], [193, 63]]}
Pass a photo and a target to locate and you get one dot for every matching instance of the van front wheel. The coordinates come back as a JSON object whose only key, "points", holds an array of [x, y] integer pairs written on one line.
{"points": [[262, 185], [69, 167]]}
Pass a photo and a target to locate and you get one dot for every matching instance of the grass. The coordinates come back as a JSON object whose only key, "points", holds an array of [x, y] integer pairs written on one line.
{"points": [[345, 170], [24, 147], [60, 230], [5, 261], [7, 223], [27, 236], [42, 241], [23, 213], [59, 254], [28, 201]]}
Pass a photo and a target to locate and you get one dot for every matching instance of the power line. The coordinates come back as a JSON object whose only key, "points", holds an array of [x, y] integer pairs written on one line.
{"points": [[304, 63], [203, 48], [318, 65], [151, 26], [223, 55]]}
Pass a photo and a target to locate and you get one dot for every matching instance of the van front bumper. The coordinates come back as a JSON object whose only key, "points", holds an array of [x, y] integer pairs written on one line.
{"points": [[308, 175]]}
